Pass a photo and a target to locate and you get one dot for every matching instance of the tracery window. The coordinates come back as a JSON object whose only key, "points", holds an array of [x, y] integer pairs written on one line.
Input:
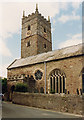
{"points": [[38, 75], [57, 81]]}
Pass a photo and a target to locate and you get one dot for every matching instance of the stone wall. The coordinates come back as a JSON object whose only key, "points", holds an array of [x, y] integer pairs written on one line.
{"points": [[72, 67], [36, 35], [59, 103], [41, 42], [30, 70], [30, 50]]}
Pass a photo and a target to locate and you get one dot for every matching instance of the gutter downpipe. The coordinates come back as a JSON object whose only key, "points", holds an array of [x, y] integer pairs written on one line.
{"points": [[45, 76]]}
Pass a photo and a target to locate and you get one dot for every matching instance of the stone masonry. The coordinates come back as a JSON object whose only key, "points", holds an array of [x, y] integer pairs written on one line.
{"points": [[59, 71], [71, 67], [37, 31], [65, 103]]}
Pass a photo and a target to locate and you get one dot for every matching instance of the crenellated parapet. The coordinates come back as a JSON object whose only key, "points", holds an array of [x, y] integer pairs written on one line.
{"points": [[33, 15], [36, 34]]}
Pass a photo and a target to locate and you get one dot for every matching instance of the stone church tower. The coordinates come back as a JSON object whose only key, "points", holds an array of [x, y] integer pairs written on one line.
{"points": [[36, 34], [58, 71]]}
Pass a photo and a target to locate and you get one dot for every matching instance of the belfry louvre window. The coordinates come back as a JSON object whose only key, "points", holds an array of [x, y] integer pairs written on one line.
{"points": [[57, 81], [28, 44], [29, 27], [44, 45], [44, 30]]}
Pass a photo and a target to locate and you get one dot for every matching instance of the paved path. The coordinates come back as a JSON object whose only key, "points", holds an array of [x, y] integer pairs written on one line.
{"points": [[10, 110]]}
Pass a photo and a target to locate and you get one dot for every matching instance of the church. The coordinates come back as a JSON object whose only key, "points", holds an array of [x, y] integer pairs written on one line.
{"points": [[45, 71]]}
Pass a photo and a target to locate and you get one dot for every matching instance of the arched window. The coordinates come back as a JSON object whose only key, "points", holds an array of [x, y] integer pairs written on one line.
{"points": [[38, 75], [63, 84], [51, 83], [28, 44], [29, 27], [60, 85], [57, 81], [44, 45], [44, 30], [57, 84]]}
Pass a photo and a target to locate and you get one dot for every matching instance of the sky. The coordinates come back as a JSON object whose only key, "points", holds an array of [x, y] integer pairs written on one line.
{"points": [[66, 24]]}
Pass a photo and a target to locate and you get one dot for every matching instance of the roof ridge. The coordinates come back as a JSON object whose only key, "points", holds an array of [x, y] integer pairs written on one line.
{"points": [[49, 56]]}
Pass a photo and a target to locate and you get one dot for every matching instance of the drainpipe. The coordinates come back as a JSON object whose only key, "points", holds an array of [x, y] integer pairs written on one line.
{"points": [[45, 76]]}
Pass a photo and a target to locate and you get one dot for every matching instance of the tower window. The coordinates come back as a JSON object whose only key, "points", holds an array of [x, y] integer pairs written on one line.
{"points": [[28, 27], [28, 44], [44, 45], [44, 30]]}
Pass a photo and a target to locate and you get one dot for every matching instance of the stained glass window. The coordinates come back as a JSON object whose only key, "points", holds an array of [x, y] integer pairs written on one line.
{"points": [[38, 75]]}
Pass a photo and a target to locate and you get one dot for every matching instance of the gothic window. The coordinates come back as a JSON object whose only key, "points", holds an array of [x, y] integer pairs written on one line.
{"points": [[28, 44], [51, 83], [38, 75], [44, 45], [60, 85], [63, 84], [28, 27], [57, 81], [57, 84], [54, 82], [44, 30]]}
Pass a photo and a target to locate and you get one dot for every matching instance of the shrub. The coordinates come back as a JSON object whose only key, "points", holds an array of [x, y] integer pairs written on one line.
{"points": [[21, 87], [4, 85]]}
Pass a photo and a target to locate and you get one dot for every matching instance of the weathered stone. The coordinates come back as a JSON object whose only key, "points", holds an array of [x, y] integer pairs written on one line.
{"points": [[40, 40], [63, 65], [71, 83], [54, 102]]}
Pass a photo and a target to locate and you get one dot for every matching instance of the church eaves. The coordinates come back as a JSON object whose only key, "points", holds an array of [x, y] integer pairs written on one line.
{"points": [[59, 54]]}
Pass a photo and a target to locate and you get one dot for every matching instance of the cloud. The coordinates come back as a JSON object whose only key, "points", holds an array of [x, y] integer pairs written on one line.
{"points": [[10, 20], [74, 40], [73, 16], [4, 49], [76, 5], [52, 30], [54, 21], [11, 14], [66, 18], [3, 70]]}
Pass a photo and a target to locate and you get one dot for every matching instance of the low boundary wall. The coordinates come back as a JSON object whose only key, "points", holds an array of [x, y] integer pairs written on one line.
{"points": [[57, 102]]}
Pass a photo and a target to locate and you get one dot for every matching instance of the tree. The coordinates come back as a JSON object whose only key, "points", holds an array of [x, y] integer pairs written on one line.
{"points": [[4, 84], [21, 87]]}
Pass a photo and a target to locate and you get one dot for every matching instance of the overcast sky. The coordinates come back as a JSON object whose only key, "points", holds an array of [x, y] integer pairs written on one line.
{"points": [[66, 23]]}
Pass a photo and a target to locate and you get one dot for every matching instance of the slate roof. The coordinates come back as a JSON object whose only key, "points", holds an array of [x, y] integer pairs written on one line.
{"points": [[48, 56]]}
